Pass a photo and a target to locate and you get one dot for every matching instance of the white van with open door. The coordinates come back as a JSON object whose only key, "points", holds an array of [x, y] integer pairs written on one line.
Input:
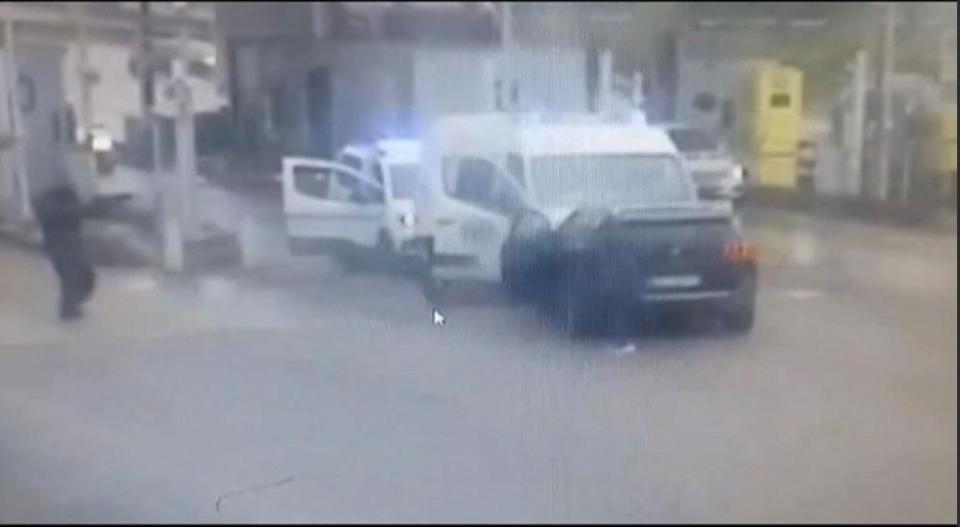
{"points": [[330, 208], [395, 165]]}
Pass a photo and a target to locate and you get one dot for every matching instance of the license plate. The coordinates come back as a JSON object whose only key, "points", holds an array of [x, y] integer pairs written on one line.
{"points": [[674, 282]]}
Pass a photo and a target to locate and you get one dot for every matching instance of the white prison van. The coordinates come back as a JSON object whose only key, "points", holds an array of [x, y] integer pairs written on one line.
{"points": [[480, 171]]}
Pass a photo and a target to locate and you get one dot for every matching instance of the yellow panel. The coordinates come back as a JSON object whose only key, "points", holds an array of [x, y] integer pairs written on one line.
{"points": [[778, 171], [948, 124], [947, 141], [778, 110]]}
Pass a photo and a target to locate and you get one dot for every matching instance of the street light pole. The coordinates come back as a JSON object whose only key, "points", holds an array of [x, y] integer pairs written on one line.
{"points": [[86, 104], [886, 109], [506, 43], [186, 145]]}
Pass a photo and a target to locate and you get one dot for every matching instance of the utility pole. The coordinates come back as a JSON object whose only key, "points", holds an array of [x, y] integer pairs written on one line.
{"points": [[606, 81], [86, 78], [886, 110], [186, 144], [166, 218], [855, 128], [147, 90], [509, 82]]}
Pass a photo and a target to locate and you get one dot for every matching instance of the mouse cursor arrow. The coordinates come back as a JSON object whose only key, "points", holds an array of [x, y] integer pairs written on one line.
{"points": [[438, 318]]}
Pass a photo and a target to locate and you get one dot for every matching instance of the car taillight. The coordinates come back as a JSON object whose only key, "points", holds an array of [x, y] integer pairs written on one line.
{"points": [[740, 252]]}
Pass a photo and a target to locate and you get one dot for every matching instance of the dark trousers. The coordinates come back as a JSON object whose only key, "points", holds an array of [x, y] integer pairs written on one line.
{"points": [[77, 279]]}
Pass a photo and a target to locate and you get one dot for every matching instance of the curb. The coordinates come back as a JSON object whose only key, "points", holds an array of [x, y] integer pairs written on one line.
{"points": [[943, 219], [108, 244]]}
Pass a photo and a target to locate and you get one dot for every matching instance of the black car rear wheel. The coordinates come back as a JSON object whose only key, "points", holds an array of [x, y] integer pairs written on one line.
{"points": [[740, 320]]}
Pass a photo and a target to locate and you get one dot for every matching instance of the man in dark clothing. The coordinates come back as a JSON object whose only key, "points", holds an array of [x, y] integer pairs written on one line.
{"points": [[59, 212]]}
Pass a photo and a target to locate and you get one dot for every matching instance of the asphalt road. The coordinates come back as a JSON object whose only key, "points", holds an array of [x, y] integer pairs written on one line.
{"points": [[299, 394]]}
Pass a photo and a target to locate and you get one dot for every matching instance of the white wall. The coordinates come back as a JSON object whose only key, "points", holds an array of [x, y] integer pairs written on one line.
{"points": [[117, 93]]}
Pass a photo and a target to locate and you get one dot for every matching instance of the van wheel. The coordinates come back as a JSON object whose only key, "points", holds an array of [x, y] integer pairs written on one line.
{"points": [[384, 244], [349, 262], [385, 254], [434, 289], [511, 284]]}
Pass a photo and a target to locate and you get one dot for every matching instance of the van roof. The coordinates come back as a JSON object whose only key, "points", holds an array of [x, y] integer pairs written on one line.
{"points": [[595, 139], [553, 135], [399, 150], [392, 150]]}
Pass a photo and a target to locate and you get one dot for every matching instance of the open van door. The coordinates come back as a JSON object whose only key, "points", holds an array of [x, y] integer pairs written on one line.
{"points": [[473, 220], [329, 207]]}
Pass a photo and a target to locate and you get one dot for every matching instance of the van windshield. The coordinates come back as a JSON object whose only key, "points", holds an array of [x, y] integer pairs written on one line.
{"points": [[403, 180], [608, 180], [693, 140]]}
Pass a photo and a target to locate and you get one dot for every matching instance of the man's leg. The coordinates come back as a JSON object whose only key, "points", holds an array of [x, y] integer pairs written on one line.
{"points": [[64, 263]]}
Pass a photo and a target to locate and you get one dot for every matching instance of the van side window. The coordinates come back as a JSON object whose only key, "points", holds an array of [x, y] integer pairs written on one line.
{"points": [[378, 172], [312, 181], [505, 198], [353, 162], [344, 188], [515, 169], [474, 181], [479, 182]]}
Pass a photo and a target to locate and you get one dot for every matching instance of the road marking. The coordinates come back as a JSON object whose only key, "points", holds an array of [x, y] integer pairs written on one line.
{"points": [[142, 283], [805, 294]]}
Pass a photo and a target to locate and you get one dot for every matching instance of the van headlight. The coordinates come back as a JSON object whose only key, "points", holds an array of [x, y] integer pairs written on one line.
{"points": [[407, 219]]}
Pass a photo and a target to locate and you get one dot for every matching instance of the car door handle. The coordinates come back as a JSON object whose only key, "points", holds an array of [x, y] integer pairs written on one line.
{"points": [[446, 222]]}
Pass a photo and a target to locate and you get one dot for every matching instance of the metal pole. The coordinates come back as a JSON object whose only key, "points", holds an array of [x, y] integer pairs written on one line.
{"points": [[606, 81], [186, 148], [509, 83], [86, 104], [857, 124], [887, 100]]}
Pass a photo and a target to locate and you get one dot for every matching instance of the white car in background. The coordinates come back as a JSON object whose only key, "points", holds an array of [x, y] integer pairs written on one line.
{"points": [[360, 203], [711, 165]]}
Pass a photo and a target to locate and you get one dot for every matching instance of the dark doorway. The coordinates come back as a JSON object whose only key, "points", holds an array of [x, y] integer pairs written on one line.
{"points": [[319, 104]]}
